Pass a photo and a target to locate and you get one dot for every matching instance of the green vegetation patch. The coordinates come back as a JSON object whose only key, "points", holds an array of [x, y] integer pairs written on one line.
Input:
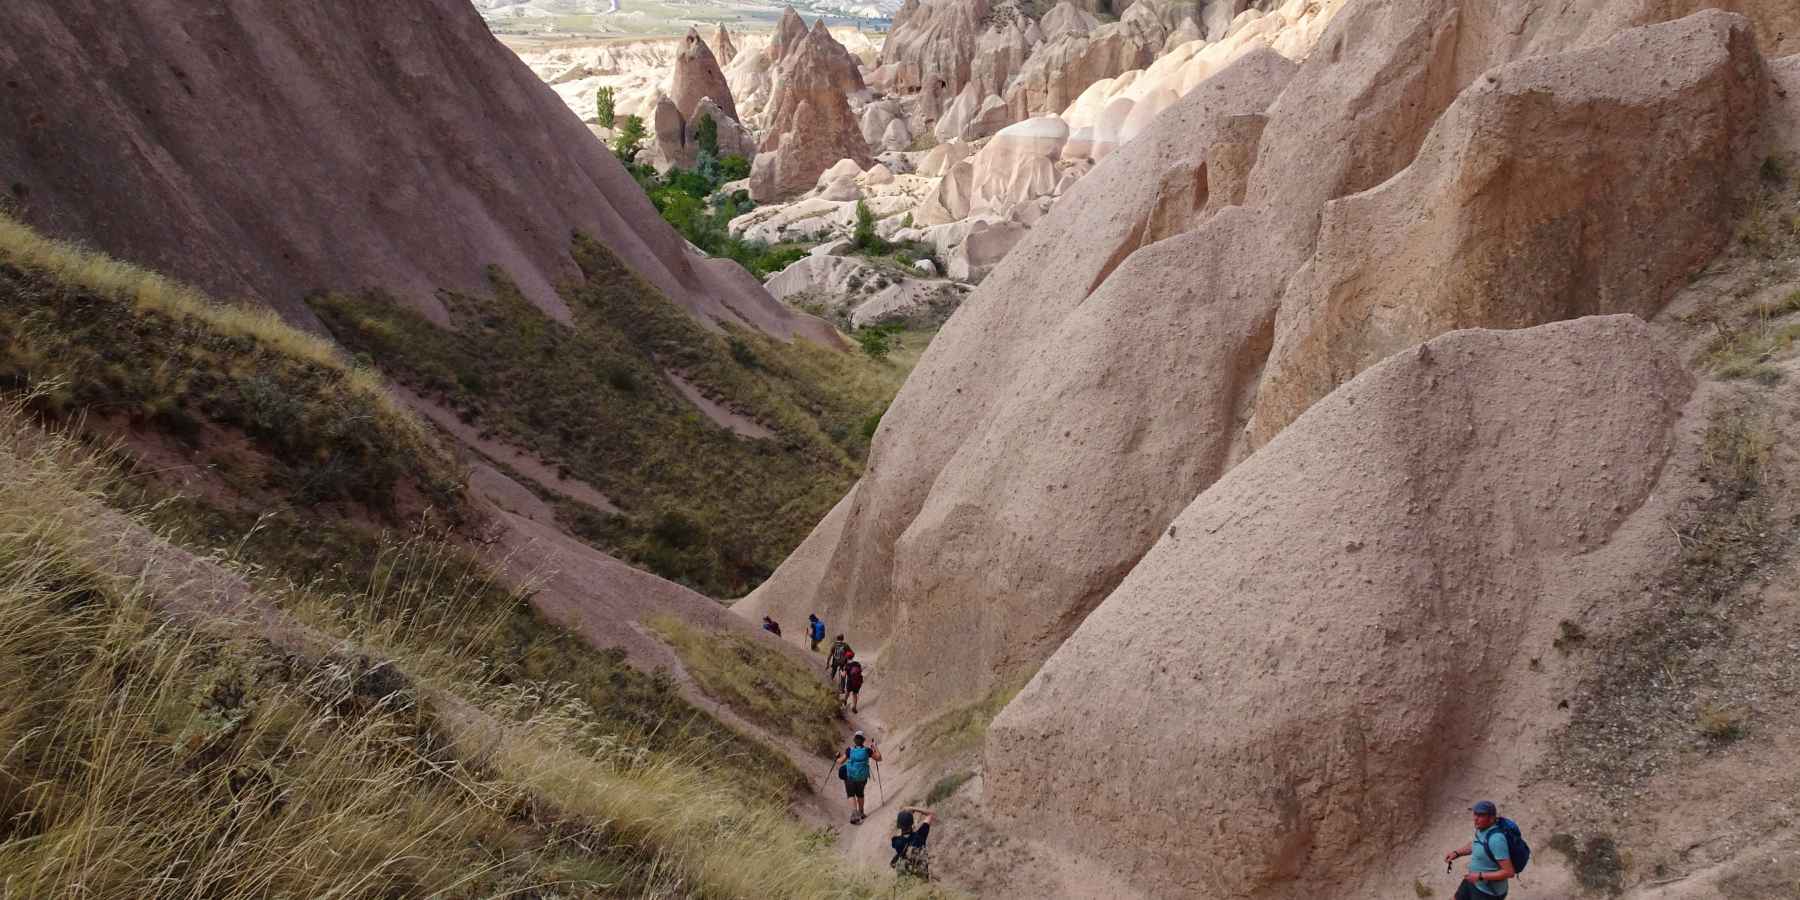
{"points": [[758, 682], [93, 336], [702, 505]]}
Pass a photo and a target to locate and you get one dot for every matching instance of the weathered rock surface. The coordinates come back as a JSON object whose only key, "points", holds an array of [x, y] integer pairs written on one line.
{"points": [[726, 50], [697, 76], [810, 123], [957, 536], [1310, 640], [406, 153], [1554, 187], [902, 545], [863, 293], [929, 50]]}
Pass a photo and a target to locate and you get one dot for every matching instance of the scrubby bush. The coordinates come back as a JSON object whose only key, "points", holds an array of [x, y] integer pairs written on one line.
{"points": [[603, 107], [706, 134], [629, 139]]}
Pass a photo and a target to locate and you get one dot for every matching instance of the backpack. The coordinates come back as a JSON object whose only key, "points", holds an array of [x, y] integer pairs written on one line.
{"points": [[1516, 848], [853, 676], [862, 764], [910, 859]]}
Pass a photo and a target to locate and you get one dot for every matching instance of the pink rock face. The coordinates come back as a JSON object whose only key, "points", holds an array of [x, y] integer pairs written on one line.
{"points": [[723, 47], [1020, 474], [811, 126], [267, 150], [697, 77], [1305, 644], [932, 44]]}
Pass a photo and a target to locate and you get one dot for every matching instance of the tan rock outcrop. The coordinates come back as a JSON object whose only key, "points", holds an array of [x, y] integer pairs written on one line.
{"points": [[1064, 66], [901, 547], [725, 49], [930, 47], [934, 547], [697, 76], [1017, 165], [1552, 188], [810, 122], [1311, 642]]}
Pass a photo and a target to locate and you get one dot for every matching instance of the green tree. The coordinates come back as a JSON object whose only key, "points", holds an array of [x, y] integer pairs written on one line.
{"points": [[706, 134], [629, 139], [864, 237], [603, 106]]}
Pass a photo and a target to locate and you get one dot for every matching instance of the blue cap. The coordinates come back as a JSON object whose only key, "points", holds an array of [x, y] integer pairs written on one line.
{"points": [[1485, 808]]}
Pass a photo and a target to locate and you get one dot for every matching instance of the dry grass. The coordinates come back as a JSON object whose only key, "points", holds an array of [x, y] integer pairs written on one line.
{"points": [[701, 505], [130, 348], [964, 730], [68, 264], [758, 682], [140, 757]]}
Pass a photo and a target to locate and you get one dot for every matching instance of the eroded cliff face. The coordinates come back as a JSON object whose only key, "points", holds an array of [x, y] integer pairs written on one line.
{"points": [[1022, 472], [271, 150]]}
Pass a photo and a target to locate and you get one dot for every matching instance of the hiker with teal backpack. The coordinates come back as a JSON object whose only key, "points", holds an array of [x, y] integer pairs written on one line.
{"points": [[1497, 854], [853, 768]]}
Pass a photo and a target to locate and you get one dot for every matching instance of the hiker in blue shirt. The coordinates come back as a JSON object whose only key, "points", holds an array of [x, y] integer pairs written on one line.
{"points": [[816, 631], [853, 768], [1490, 864]]}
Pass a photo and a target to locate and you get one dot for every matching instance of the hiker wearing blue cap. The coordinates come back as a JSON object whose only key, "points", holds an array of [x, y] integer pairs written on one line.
{"points": [[1497, 853]]}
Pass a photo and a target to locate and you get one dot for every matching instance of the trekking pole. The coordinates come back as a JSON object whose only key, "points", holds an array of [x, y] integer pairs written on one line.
{"points": [[878, 791]]}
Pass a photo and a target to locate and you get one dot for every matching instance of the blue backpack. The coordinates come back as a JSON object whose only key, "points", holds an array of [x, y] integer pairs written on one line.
{"points": [[855, 768], [1516, 849]]}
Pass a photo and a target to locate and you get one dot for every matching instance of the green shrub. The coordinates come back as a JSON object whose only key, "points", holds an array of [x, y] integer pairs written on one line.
{"points": [[603, 107], [629, 140], [706, 134], [734, 168]]}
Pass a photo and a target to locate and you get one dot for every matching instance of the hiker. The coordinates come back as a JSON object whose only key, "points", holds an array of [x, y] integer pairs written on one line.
{"points": [[910, 857], [835, 660], [815, 630], [853, 674], [853, 768], [770, 626], [1490, 857]]}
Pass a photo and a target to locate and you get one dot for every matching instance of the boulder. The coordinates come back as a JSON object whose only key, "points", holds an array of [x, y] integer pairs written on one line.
{"points": [[952, 198], [942, 157], [875, 119], [897, 136], [697, 76], [810, 122], [986, 244], [880, 174], [1017, 165], [841, 189], [1311, 642]]}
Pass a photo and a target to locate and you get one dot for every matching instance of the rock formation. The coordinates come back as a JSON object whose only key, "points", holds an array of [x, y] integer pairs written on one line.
{"points": [[810, 122], [1023, 470], [274, 173], [697, 76], [726, 50], [1308, 643]]}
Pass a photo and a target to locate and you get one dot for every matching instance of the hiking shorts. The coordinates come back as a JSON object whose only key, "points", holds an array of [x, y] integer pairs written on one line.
{"points": [[815, 645], [1467, 891], [854, 788]]}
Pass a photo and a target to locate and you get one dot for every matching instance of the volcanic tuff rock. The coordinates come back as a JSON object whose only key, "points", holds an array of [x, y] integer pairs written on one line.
{"points": [[1554, 187], [727, 51], [810, 122], [930, 47], [406, 153], [981, 521], [900, 548], [697, 76], [1304, 641]]}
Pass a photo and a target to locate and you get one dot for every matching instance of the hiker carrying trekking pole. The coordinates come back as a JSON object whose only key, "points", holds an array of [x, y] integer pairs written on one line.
{"points": [[835, 660], [815, 631], [1497, 854], [853, 768]]}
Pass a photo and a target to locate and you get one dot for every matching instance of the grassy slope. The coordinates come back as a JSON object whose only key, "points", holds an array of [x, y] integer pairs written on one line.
{"points": [[701, 505], [143, 758], [759, 682]]}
